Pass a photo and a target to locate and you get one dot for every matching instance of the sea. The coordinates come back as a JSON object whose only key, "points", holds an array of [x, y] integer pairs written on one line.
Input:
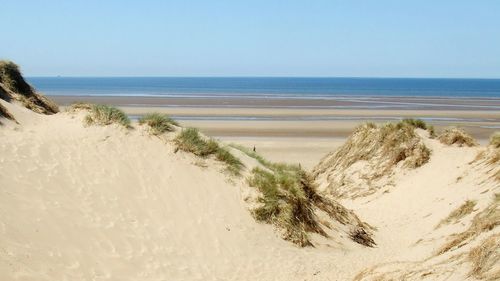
{"points": [[266, 87]]}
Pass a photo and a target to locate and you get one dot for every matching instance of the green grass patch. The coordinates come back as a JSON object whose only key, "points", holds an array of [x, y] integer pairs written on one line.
{"points": [[285, 203], [288, 201], [233, 164], [190, 140], [252, 154], [158, 123], [106, 115]]}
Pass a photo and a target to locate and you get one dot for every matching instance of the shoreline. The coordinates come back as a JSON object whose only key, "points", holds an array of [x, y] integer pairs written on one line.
{"points": [[297, 118], [338, 103]]}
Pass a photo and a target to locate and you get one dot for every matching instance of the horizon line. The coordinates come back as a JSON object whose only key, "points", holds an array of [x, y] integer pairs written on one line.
{"points": [[251, 76]]}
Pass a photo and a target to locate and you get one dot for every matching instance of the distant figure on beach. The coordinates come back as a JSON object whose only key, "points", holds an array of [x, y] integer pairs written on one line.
{"points": [[254, 148]]}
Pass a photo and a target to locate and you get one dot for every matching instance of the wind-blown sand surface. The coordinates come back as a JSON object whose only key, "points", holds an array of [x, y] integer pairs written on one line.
{"points": [[105, 203]]}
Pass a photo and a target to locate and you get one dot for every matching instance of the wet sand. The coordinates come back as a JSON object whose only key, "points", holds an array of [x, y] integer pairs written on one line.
{"points": [[308, 118]]}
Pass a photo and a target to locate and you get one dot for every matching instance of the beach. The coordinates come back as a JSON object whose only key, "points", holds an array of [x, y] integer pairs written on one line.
{"points": [[305, 129], [278, 189], [250, 140]]}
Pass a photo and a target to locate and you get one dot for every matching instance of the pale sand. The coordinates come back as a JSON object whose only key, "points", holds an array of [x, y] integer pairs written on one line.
{"points": [[319, 128], [289, 117], [304, 151], [99, 203]]}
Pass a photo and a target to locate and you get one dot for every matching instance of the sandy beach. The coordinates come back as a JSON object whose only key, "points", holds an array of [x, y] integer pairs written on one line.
{"points": [[294, 118], [77, 209]]}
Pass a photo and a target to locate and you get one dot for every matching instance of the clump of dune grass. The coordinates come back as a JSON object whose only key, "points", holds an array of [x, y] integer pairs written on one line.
{"points": [[490, 158], [379, 149], [4, 112], [233, 164], [495, 140], [466, 208], [456, 136], [190, 140], [158, 123], [17, 88], [76, 106], [104, 115], [11, 77], [432, 131], [484, 257], [417, 123], [252, 154], [289, 199], [484, 221]]}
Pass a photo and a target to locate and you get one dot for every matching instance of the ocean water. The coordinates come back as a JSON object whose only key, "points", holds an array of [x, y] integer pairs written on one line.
{"points": [[310, 88]]}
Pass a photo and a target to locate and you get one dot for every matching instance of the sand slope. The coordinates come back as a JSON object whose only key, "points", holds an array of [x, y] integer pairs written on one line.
{"points": [[410, 209], [104, 203]]}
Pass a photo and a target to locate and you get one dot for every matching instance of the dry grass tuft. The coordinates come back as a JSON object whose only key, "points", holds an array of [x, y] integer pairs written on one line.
{"points": [[489, 158], [5, 113], [417, 123], [464, 209], [190, 140], [484, 221], [80, 106], [158, 123], [11, 77], [379, 149], [495, 140], [15, 87], [484, 257], [456, 136], [104, 115], [289, 199]]}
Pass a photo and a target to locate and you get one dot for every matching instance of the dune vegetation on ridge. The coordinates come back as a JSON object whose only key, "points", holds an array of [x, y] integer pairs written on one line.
{"points": [[456, 136], [289, 200], [370, 155], [14, 87], [158, 123]]}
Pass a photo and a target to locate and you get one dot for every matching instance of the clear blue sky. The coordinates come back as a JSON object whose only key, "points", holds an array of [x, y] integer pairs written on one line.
{"points": [[378, 38]]}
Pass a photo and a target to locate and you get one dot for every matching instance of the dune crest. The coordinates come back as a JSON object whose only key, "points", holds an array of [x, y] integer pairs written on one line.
{"points": [[370, 158], [14, 87]]}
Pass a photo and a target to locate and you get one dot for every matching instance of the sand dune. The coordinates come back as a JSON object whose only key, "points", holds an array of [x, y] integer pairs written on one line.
{"points": [[89, 202], [106, 203]]}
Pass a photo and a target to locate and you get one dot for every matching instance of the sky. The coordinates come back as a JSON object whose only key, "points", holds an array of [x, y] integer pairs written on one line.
{"points": [[351, 38]]}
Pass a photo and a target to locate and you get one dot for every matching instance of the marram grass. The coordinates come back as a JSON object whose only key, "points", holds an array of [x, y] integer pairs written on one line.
{"points": [[190, 140], [106, 115], [158, 123]]}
